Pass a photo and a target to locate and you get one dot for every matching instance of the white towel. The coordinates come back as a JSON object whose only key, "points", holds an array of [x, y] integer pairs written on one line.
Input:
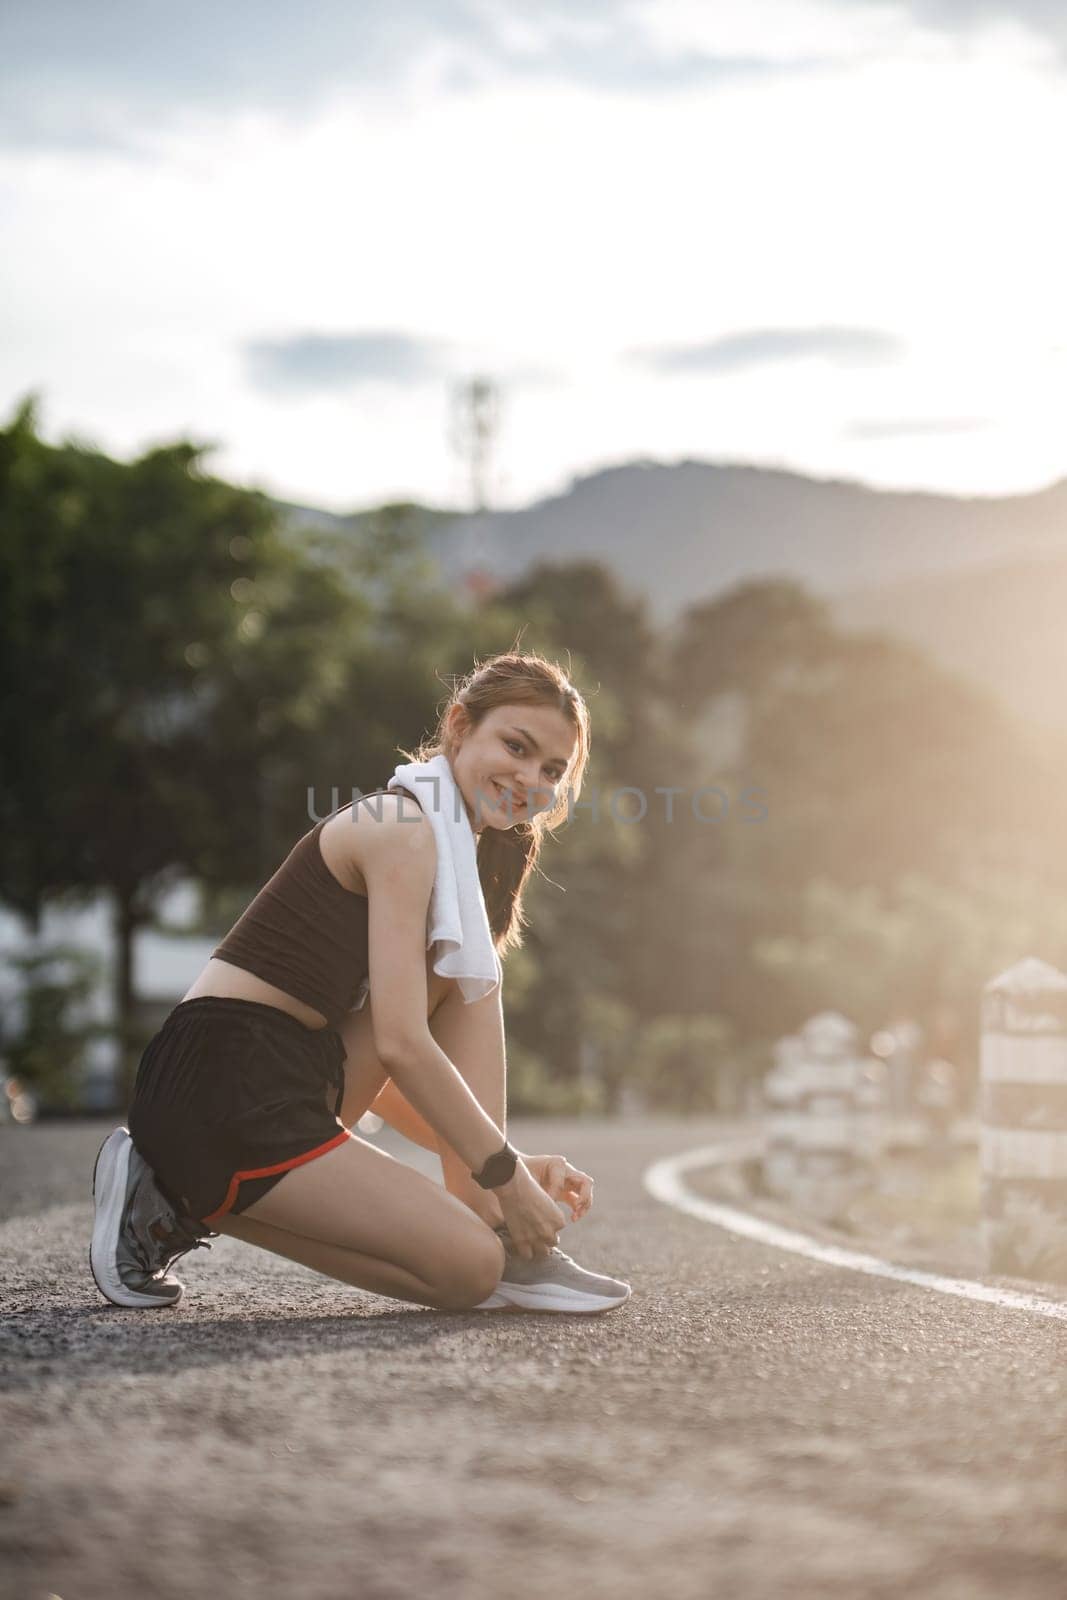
{"points": [[457, 922]]}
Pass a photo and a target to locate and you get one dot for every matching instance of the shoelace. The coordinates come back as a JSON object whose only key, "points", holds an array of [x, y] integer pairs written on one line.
{"points": [[174, 1239], [509, 1245]]}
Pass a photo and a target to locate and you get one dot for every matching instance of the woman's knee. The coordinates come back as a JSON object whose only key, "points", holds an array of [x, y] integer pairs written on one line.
{"points": [[475, 1273]]}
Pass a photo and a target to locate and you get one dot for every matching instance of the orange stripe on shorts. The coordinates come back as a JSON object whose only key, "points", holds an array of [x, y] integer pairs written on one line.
{"points": [[265, 1172]]}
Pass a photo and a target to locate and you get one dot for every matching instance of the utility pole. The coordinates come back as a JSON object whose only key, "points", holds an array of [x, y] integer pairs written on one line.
{"points": [[474, 423]]}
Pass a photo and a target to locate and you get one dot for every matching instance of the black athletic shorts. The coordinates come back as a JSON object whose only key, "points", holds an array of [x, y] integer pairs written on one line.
{"points": [[229, 1096]]}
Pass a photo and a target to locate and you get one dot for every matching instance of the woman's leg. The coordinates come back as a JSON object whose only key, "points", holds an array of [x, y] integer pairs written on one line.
{"points": [[472, 1037], [359, 1215]]}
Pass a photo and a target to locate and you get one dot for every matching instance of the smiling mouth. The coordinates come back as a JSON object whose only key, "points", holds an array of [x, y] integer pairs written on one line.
{"points": [[507, 797]]}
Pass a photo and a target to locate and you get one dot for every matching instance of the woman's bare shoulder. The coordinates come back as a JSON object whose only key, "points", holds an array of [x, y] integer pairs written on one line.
{"points": [[374, 828]]}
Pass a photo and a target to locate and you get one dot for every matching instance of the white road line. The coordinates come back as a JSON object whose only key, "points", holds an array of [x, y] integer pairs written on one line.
{"points": [[663, 1180]]}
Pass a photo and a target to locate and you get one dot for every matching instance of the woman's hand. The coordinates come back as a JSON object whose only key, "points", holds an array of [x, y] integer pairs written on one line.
{"points": [[566, 1184], [533, 1217]]}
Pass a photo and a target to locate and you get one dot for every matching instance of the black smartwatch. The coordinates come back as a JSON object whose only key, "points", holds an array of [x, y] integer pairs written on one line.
{"points": [[498, 1169]]}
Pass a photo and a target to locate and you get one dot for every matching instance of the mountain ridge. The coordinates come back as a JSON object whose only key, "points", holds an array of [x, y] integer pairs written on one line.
{"points": [[979, 582], [682, 531]]}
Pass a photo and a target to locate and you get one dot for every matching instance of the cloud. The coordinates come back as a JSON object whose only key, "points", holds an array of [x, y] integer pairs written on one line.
{"points": [[757, 347], [913, 427], [318, 363], [1045, 18], [312, 363], [86, 77]]}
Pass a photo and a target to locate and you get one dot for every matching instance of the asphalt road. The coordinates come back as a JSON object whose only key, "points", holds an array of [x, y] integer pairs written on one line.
{"points": [[749, 1424]]}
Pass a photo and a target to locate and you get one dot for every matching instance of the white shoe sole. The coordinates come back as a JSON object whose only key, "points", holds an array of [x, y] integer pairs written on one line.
{"points": [[549, 1297], [110, 1172]]}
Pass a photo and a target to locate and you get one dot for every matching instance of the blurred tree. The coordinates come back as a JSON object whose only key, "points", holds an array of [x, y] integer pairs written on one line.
{"points": [[611, 1056], [883, 762], [756, 637], [873, 759], [686, 1065], [409, 634], [872, 763], [159, 645], [579, 608]]}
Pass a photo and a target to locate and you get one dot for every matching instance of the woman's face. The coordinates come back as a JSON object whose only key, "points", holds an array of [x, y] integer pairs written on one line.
{"points": [[511, 765]]}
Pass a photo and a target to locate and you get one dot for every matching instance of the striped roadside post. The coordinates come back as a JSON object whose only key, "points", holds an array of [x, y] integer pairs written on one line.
{"points": [[811, 1146], [903, 1067], [1023, 1121], [872, 1112], [781, 1089], [828, 1170], [937, 1102]]}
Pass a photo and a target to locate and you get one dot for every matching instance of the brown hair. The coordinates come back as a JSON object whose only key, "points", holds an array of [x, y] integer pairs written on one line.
{"points": [[507, 856]]}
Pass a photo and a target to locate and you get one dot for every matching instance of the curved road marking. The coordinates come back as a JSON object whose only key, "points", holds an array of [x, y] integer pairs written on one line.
{"points": [[663, 1180]]}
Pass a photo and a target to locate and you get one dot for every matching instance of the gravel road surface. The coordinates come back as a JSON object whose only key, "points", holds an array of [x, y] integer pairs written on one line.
{"points": [[749, 1424]]}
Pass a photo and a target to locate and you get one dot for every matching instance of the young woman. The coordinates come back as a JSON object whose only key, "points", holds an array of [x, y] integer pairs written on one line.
{"points": [[244, 1102]]}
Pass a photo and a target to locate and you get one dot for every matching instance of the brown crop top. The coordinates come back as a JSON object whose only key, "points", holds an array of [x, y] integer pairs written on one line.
{"points": [[305, 932]]}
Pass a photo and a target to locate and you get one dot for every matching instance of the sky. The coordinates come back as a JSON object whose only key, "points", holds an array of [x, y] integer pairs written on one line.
{"points": [[822, 235]]}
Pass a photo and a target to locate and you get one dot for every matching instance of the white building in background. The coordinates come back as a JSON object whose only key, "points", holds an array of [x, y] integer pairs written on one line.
{"points": [[164, 965]]}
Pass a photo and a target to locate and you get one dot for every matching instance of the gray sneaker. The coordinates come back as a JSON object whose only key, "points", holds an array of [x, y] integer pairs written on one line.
{"points": [[555, 1283], [137, 1234]]}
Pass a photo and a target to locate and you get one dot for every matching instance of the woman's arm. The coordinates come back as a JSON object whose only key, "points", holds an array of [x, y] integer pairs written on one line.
{"points": [[399, 864], [398, 859], [391, 1106], [554, 1173]]}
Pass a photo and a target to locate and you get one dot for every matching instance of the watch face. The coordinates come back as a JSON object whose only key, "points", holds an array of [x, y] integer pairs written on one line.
{"points": [[498, 1169]]}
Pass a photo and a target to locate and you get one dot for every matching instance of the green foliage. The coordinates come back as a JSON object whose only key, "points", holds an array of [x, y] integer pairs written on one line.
{"points": [[759, 637], [161, 635], [47, 1051], [685, 1062], [534, 1091], [610, 1057]]}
